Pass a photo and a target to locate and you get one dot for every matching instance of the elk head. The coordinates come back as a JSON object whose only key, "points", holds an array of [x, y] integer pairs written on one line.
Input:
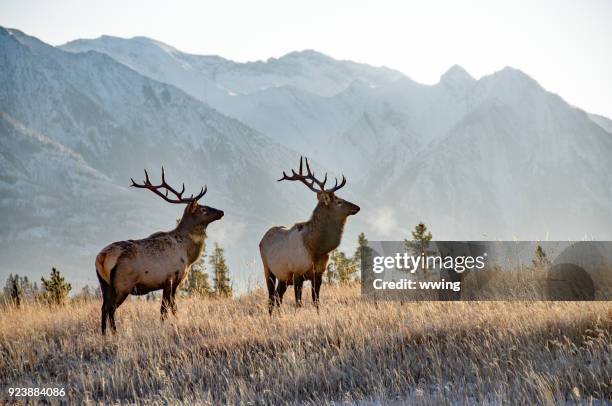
{"points": [[327, 198], [195, 216]]}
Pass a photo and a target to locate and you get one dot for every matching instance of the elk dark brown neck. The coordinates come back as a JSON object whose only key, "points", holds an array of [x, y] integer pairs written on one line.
{"points": [[323, 231], [194, 236]]}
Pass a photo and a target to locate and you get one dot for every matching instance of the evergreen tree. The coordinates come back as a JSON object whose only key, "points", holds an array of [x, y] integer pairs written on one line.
{"points": [[340, 268], [346, 268], [221, 280], [362, 242], [540, 261], [13, 290], [420, 239], [30, 289], [56, 289], [197, 283]]}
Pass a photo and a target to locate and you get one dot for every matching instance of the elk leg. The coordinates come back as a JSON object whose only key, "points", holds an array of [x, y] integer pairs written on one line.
{"points": [[271, 284], [280, 291], [104, 318], [165, 304], [173, 306], [317, 280], [119, 299], [108, 297], [297, 287]]}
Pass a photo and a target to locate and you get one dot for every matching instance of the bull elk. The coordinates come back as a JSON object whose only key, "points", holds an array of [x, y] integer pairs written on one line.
{"points": [[160, 261], [291, 256]]}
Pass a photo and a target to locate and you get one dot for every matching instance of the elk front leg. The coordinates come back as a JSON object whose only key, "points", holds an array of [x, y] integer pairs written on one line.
{"points": [[317, 280], [281, 288], [298, 283], [166, 302], [173, 306]]}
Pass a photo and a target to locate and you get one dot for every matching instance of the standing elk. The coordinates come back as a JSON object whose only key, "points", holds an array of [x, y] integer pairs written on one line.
{"points": [[160, 261], [301, 252]]}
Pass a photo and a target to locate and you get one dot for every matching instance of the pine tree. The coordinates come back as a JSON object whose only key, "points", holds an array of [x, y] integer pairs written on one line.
{"points": [[13, 290], [30, 289], [221, 280], [56, 289], [362, 242], [420, 239], [346, 268], [540, 260], [340, 268], [197, 283]]}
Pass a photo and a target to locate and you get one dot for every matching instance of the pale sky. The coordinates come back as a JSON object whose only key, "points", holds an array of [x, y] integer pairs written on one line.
{"points": [[566, 45]]}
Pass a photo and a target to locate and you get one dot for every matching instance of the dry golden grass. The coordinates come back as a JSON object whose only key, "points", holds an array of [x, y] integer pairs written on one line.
{"points": [[224, 351]]}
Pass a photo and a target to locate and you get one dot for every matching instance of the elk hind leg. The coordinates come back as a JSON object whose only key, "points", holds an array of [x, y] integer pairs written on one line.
{"points": [[119, 299], [271, 285], [108, 298]]}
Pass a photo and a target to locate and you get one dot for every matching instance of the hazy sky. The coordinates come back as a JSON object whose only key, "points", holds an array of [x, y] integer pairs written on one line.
{"points": [[566, 45]]}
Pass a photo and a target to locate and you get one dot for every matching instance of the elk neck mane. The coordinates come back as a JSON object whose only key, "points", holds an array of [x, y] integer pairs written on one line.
{"points": [[193, 236], [323, 231]]}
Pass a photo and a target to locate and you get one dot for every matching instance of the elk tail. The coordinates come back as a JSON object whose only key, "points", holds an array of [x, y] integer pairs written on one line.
{"points": [[106, 261]]}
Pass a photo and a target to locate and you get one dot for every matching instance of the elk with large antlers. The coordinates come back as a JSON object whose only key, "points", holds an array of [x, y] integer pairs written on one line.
{"points": [[301, 252], [160, 261]]}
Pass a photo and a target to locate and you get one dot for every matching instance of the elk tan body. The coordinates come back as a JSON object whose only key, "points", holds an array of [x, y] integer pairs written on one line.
{"points": [[291, 256], [160, 261], [166, 258], [284, 253]]}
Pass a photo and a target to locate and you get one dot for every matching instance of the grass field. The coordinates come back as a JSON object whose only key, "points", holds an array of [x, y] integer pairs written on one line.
{"points": [[354, 351]]}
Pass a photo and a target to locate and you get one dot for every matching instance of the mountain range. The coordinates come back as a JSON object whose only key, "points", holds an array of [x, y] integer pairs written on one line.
{"points": [[491, 158]]}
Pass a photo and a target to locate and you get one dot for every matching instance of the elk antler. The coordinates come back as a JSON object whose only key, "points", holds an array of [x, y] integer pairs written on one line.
{"points": [[179, 195], [310, 180]]}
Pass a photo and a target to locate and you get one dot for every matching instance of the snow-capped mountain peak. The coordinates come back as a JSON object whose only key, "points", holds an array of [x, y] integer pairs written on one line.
{"points": [[457, 77]]}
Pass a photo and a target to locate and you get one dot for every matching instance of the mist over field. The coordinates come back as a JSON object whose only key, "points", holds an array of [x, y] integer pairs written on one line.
{"points": [[497, 157]]}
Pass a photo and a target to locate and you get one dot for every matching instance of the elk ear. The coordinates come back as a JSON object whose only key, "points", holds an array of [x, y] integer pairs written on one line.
{"points": [[193, 206], [323, 197]]}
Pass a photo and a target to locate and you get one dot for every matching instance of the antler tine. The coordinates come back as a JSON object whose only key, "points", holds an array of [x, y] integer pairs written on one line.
{"points": [[338, 187], [203, 191]]}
